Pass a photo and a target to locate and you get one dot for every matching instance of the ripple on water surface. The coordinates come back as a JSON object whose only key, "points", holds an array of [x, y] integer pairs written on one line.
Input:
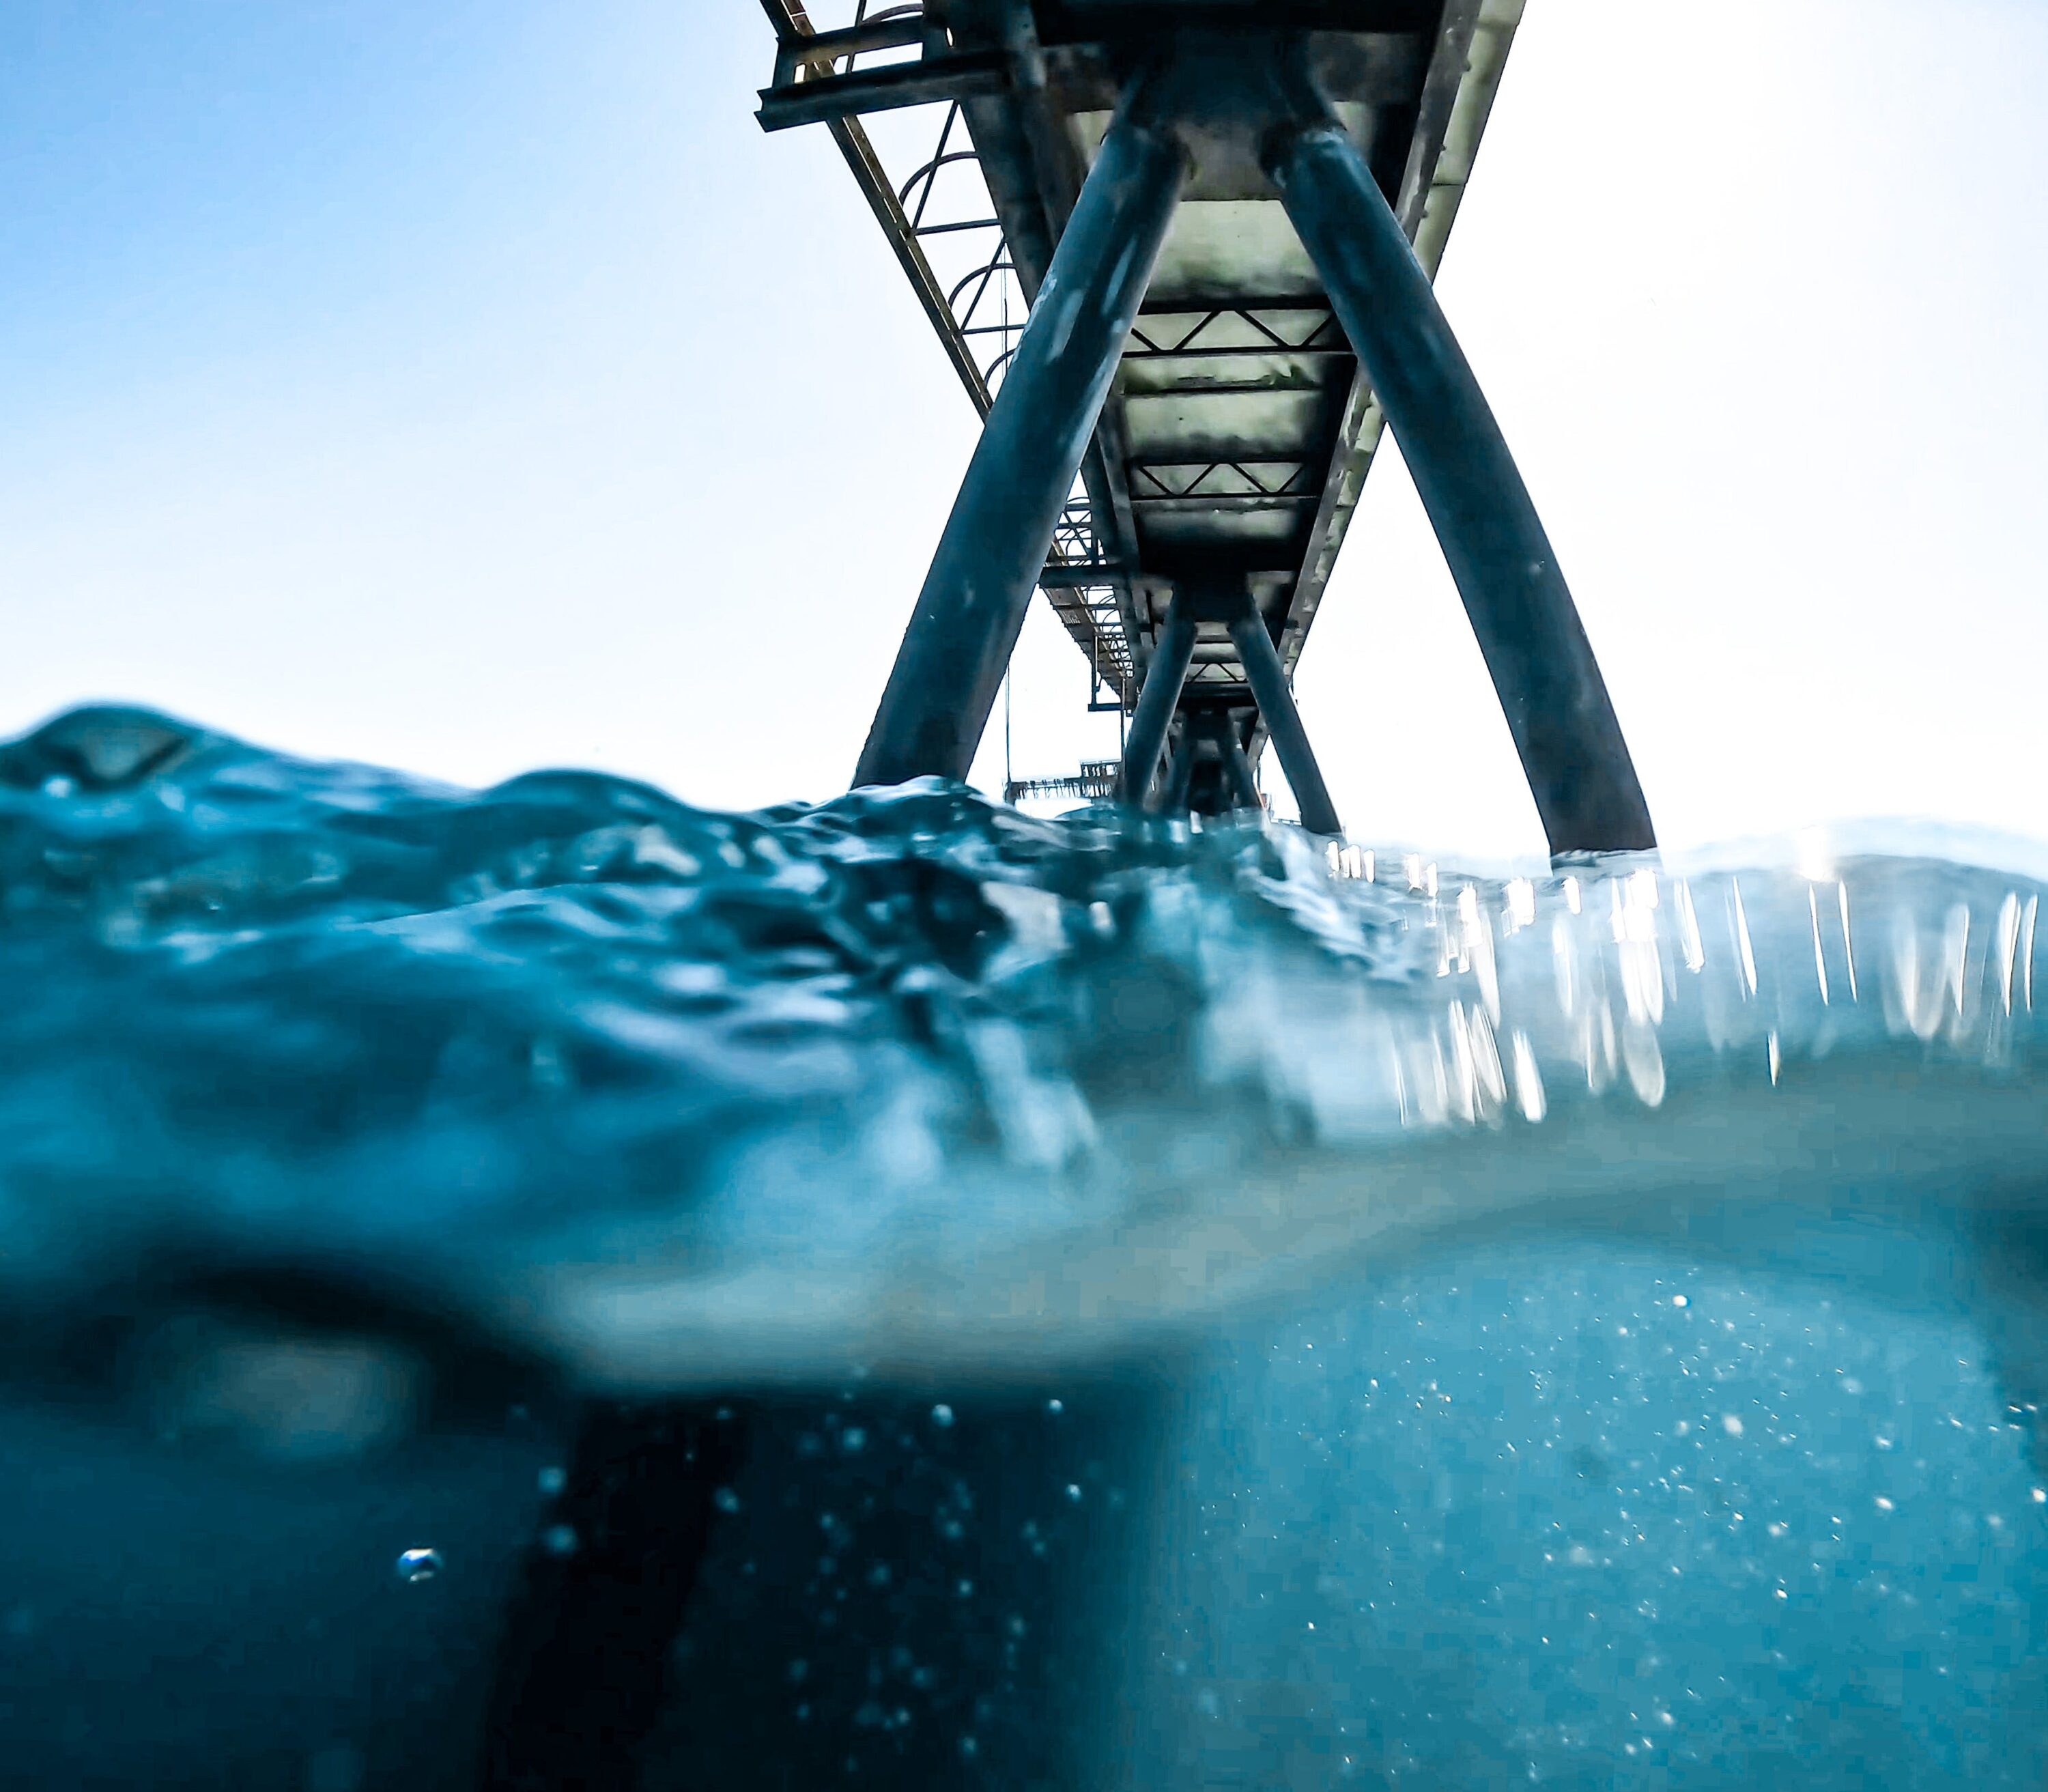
{"points": [[655, 1093], [906, 1085]]}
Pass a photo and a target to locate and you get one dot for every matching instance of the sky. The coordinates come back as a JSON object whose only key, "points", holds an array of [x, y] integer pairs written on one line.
{"points": [[474, 387]]}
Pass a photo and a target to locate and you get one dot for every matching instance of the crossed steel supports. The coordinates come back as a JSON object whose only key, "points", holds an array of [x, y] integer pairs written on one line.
{"points": [[1228, 602], [973, 603]]}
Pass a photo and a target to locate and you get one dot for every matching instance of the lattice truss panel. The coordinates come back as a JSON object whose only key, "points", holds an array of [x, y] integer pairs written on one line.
{"points": [[917, 168]]}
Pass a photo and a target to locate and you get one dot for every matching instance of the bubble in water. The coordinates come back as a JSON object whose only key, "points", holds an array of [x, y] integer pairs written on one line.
{"points": [[1680, 1300], [553, 1479], [853, 1440], [942, 1415], [1056, 1406], [1074, 1492], [419, 1564], [560, 1540], [726, 1500]]}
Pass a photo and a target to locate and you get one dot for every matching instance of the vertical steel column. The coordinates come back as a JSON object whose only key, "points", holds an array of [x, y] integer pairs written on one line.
{"points": [[1543, 668], [1268, 679], [1157, 701], [974, 596]]}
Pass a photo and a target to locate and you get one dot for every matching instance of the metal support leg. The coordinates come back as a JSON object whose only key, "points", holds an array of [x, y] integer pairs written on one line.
{"points": [[583, 1663], [1236, 767], [975, 597], [1268, 679], [1535, 647], [1156, 702], [1179, 775]]}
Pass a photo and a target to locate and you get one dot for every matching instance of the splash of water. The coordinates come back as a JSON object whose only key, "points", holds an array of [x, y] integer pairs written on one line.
{"points": [[666, 1097]]}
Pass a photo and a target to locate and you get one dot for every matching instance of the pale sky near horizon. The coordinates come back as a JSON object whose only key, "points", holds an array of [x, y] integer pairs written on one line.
{"points": [[474, 387]]}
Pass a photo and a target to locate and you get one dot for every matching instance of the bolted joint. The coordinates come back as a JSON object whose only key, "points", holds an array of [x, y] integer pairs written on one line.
{"points": [[1257, 84], [1281, 142], [1150, 103]]}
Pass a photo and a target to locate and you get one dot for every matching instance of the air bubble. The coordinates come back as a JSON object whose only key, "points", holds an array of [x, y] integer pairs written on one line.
{"points": [[419, 1564], [560, 1540], [942, 1416], [553, 1480]]}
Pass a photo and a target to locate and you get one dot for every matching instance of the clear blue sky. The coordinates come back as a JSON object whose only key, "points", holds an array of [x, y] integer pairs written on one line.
{"points": [[471, 386]]}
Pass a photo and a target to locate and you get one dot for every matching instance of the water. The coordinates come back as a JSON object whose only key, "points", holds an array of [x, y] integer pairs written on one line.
{"points": [[661, 1095], [1423, 1204], [1527, 1522]]}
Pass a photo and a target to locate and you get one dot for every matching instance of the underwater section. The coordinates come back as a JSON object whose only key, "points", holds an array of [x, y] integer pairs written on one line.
{"points": [[1125, 1304]]}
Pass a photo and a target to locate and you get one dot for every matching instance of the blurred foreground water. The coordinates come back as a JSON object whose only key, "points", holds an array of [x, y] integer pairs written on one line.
{"points": [[1203, 1311]]}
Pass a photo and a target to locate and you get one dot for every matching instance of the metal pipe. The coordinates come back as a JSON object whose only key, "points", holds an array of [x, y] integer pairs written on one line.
{"points": [[1181, 776], [1268, 679], [1529, 630], [975, 597], [1157, 701], [1237, 768]]}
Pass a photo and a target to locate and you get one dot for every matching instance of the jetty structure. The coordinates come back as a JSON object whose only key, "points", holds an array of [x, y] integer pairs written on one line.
{"points": [[1190, 289], [1218, 221]]}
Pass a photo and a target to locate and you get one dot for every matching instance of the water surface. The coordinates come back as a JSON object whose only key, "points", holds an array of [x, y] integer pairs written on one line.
{"points": [[1582, 1326]]}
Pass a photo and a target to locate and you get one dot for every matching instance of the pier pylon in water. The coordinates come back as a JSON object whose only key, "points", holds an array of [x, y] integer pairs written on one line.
{"points": [[1221, 218]]}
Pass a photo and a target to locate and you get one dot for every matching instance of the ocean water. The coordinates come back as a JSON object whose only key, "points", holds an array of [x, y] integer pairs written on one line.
{"points": [[1392, 1326]]}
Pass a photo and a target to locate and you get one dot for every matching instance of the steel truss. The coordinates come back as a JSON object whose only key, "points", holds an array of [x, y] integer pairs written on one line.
{"points": [[1235, 386], [940, 221], [986, 75]]}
